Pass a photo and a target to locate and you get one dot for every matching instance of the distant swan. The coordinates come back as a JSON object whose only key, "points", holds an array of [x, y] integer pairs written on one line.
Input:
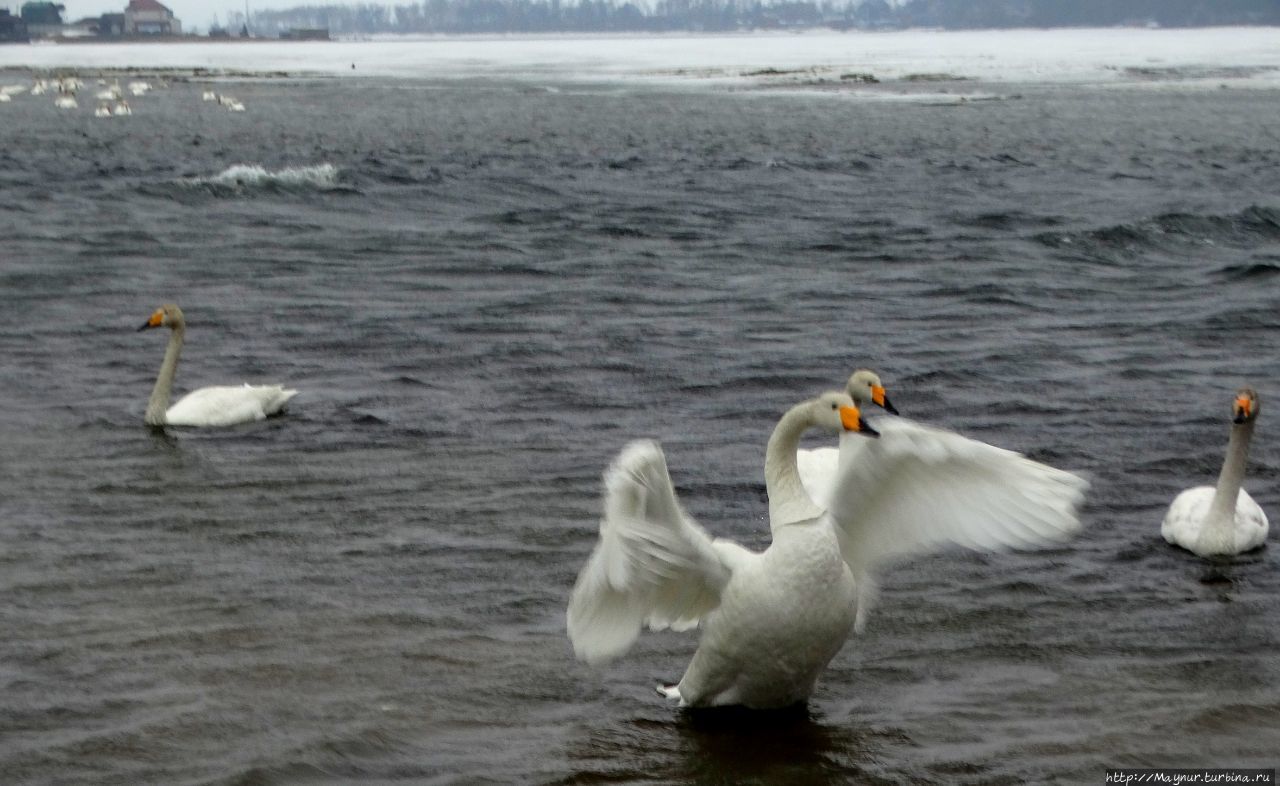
{"points": [[771, 621], [211, 406], [112, 93], [1222, 520], [818, 466]]}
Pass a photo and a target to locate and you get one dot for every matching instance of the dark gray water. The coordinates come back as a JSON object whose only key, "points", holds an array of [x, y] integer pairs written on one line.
{"points": [[484, 292]]}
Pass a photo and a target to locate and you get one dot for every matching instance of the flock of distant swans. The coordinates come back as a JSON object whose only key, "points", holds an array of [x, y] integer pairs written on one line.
{"points": [[772, 621], [111, 97]]}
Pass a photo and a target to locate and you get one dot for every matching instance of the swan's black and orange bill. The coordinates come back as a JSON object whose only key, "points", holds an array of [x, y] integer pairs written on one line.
{"points": [[852, 420], [881, 398], [1242, 410], [156, 320]]}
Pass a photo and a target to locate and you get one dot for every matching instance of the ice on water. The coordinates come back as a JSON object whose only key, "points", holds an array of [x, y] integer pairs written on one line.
{"points": [[1242, 56]]}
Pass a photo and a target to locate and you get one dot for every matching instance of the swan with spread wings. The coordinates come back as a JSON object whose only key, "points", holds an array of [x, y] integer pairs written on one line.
{"points": [[771, 621]]}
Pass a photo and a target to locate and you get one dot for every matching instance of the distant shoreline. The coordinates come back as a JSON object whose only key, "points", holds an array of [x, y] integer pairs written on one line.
{"points": [[165, 39]]}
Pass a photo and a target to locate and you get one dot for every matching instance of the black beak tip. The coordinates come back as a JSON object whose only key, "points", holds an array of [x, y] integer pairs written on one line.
{"points": [[145, 325], [889, 407], [867, 431]]}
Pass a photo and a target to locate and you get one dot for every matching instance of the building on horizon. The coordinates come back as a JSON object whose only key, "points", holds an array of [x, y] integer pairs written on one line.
{"points": [[150, 17], [12, 29]]}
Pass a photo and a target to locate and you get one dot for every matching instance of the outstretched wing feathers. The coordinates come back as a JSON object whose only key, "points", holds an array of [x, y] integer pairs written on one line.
{"points": [[653, 564], [913, 490], [916, 489]]}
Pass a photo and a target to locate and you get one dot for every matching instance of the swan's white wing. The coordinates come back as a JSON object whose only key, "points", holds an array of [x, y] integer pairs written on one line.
{"points": [[818, 468], [653, 565], [225, 405], [1185, 517], [918, 488], [1251, 523]]}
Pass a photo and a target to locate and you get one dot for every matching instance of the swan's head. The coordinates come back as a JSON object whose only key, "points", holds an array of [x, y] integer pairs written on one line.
{"points": [[864, 386], [837, 411], [1246, 406], [169, 316]]}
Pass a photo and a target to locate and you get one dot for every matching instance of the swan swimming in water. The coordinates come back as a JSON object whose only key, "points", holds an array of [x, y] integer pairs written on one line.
{"points": [[771, 621], [211, 406], [1222, 520]]}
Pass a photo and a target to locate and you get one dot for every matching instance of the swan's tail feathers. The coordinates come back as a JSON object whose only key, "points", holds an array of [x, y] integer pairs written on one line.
{"points": [[652, 565], [670, 692], [274, 397]]}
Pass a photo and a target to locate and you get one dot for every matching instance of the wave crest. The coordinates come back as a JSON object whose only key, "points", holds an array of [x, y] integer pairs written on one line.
{"points": [[255, 176]]}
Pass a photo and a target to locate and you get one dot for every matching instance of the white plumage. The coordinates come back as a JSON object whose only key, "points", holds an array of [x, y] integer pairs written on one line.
{"points": [[1186, 524], [772, 621], [653, 565], [918, 489], [227, 405], [210, 406], [1222, 520]]}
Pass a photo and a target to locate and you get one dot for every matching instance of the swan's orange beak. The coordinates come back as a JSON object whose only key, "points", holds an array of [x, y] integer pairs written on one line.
{"points": [[882, 399], [1243, 409], [157, 319], [852, 420]]}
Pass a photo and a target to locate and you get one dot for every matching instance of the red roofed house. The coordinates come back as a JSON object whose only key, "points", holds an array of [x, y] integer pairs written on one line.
{"points": [[149, 17]]}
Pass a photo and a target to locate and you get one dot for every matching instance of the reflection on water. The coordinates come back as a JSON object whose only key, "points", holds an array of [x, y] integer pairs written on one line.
{"points": [[796, 745], [789, 746], [164, 442]]}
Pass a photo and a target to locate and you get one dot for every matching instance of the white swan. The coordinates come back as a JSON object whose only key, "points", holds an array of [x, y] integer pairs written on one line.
{"points": [[112, 93], [772, 621], [818, 465], [211, 406], [1222, 520]]}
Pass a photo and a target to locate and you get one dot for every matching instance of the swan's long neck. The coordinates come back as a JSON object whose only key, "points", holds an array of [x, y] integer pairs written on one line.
{"points": [[788, 501], [159, 402], [1222, 511]]}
